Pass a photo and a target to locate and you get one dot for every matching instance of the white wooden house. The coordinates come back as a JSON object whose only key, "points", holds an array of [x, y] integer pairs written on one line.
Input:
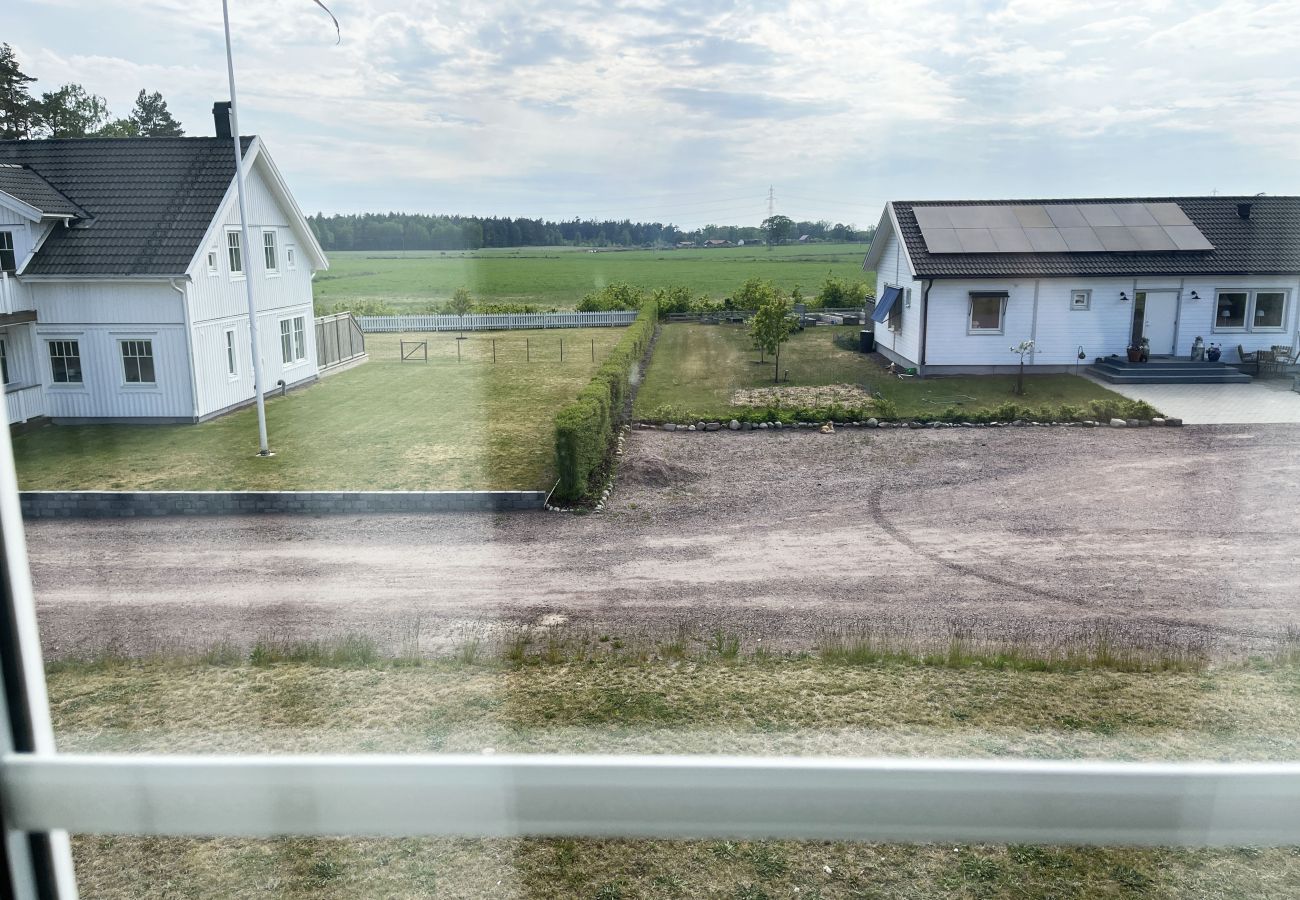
{"points": [[122, 278], [958, 283]]}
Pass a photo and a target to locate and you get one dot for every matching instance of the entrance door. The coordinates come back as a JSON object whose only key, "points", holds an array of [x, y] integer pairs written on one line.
{"points": [[1158, 320]]}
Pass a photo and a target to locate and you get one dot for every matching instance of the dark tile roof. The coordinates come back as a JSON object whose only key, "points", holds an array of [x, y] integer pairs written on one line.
{"points": [[1268, 243], [24, 184], [150, 200]]}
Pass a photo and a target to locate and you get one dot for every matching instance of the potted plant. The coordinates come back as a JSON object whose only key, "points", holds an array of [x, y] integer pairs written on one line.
{"points": [[1134, 353]]}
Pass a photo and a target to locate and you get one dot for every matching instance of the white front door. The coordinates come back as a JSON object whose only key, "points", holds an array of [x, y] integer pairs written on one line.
{"points": [[1158, 320]]}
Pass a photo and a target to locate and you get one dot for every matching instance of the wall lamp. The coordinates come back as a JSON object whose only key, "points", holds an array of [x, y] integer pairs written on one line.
{"points": [[1123, 297], [1195, 296]]}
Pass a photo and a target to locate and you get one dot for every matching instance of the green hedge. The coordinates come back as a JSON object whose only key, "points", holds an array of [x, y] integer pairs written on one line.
{"points": [[584, 430]]}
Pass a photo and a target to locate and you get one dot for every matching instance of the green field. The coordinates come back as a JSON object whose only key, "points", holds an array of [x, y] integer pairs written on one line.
{"points": [[560, 276], [699, 693], [384, 425], [697, 369]]}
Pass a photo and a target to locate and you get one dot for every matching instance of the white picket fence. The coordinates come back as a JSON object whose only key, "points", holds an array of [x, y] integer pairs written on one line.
{"points": [[497, 321]]}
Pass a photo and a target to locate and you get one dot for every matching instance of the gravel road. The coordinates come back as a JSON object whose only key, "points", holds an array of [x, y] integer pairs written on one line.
{"points": [[1175, 535]]}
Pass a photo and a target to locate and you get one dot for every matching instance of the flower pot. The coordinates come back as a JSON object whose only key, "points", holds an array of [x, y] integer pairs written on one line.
{"points": [[1134, 354]]}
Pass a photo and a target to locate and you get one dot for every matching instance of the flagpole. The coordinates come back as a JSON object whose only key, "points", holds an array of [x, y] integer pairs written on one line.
{"points": [[246, 251]]}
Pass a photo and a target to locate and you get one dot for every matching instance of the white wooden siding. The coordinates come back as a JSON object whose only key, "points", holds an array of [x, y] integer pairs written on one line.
{"points": [[216, 389], [893, 270], [103, 392], [106, 302], [1105, 328]]}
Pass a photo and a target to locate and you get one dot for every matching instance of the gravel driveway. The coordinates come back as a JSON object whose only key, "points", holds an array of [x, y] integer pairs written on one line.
{"points": [[1178, 535]]}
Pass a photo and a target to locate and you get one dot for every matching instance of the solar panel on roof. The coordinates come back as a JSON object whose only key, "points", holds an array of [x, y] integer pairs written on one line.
{"points": [[1059, 228]]}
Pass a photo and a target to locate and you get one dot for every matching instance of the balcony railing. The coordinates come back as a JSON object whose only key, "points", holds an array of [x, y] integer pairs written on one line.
{"points": [[23, 403], [14, 297]]}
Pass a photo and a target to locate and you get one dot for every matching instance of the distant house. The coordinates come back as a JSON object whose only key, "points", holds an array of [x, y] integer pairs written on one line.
{"points": [[122, 278], [959, 283], [682, 245], [805, 238], [717, 243]]}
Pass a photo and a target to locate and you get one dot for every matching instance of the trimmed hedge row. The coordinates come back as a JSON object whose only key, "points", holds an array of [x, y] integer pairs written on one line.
{"points": [[584, 430]]}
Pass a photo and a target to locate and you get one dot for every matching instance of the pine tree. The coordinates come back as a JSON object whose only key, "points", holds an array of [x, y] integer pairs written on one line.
{"points": [[152, 118], [17, 109]]}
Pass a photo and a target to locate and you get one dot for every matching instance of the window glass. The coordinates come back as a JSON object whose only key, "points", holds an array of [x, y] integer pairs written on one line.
{"points": [[986, 312], [4, 362], [286, 341], [232, 364], [65, 362], [1231, 310], [137, 362], [212, 262], [234, 252], [1269, 308], [8, 263], [299, 338], [269, 251]]}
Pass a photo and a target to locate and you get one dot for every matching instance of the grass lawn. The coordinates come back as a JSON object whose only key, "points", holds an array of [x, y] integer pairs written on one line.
{"points": [[699, 693], [697, 369], [560, 276], [384, 425]]}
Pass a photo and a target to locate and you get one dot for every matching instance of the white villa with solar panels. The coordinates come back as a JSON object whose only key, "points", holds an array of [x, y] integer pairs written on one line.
{"points": [[122, 278], [959, 283]]}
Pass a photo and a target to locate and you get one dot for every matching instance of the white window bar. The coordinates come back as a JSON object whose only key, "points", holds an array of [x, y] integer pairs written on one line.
{"points": [[46, 793]]}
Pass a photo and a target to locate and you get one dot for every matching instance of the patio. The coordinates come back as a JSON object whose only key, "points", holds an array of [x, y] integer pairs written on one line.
{"points": [[1267, 400]]}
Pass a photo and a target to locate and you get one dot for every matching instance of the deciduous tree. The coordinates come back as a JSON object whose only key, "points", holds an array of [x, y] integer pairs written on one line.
{"points": [[71, 112], [771, 328], [777, 228]]}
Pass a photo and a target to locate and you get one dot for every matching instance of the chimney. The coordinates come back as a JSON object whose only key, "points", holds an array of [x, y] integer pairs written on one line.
{"points": [[1243, 210], [221, 118]]}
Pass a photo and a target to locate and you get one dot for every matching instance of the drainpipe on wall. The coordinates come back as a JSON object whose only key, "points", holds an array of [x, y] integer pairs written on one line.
{"points": [[925, 315], [189, 345]]}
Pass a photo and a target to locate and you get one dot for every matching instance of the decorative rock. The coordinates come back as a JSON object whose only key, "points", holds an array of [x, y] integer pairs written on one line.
{"points": [[691, 428], [873, 423], [713, 426], [735, 425], [1020, 423], [1144, 422], [1157, 421], [670, 427], [1118, 423], [1132, 423], [828, 428], [777, 425], [747, 426], [1174, 423], [699, 426], [1088, 423], [762, 426]]}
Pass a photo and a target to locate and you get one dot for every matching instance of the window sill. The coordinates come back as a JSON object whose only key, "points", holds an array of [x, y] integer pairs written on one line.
{"points": [[1230, 330], [986, 332]]}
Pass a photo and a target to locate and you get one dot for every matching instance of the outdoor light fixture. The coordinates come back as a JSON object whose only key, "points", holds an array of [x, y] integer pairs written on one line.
{"points": [[1195, 296], [1123, 297]]}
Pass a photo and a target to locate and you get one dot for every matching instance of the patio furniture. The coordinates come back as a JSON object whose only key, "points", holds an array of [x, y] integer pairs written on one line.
{"points": [[1248, 359], [1267, 362], [1286, 356]]}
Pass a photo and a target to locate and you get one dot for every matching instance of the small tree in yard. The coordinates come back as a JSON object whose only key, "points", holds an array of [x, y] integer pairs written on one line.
{"points": [[1024, 348], [461, 303], [771, 328]]}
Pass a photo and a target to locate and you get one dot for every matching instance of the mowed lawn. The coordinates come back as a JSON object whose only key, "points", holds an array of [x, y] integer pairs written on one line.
{"points": [[560, 276], [697, 369], [384, 425]]}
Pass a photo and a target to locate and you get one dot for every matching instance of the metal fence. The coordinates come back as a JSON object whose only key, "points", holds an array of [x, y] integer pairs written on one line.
{"points": [[338, 340], [497, 321]]}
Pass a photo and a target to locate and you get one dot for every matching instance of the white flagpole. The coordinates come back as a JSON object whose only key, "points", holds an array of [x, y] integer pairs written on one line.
{"points": [[246, 251]]}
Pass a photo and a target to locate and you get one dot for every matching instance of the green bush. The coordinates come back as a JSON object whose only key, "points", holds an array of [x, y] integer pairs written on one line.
{"points": [[584, 429], [615, 296]]}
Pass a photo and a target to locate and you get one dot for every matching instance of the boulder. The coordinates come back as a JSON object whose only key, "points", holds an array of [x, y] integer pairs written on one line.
{"points": [[1132, 423], [762, 426], [1173, 423], [1118, 423], [690, 428], [713, 426], [735, 425], [670, 427], [1157, 421], [872, 423]]}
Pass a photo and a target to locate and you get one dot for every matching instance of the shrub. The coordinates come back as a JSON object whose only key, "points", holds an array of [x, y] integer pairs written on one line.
{"points": [[584, 429], [841, 292], [615, 296], [885, 408]]}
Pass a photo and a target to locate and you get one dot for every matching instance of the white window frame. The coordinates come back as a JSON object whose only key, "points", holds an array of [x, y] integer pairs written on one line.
{"points": [[299, 339], [235, 249], [232, 355], [290, 257], [4, 360], [1081, 294], [7, 237], [213, 267], [909, 800], [1248, 325], [125, 343], [286, 342], [1003, 296], [271, 251], [50, 341]]}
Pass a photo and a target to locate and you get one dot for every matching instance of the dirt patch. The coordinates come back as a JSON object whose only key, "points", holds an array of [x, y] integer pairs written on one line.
{"points": [[791, 395], [650, 471]]}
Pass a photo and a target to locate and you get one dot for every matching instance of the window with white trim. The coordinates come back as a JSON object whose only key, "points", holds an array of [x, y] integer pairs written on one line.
{"points": [[293, 340], [232, 360], [212, 262], [234, 253], [8, 261], [290, 256], [4, 361], [1081, 299], [137, 361], [270, 252], [65, 362], [987, 312], [1262, 310]]}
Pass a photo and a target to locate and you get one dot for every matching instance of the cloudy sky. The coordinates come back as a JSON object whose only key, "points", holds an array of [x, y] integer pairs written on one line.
{"points": [[688, 111]]}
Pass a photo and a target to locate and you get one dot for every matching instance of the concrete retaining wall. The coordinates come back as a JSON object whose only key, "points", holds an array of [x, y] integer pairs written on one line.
{"points": [[124, 504]]}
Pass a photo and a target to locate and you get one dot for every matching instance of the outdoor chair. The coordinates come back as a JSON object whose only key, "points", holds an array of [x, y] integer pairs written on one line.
{"points": [[1285, 356], [1248, 359], [1266, 361]]}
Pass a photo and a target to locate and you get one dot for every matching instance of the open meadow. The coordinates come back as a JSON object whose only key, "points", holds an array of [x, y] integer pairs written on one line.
{"points": [[699, 370], [387, 424], [560, 276]]}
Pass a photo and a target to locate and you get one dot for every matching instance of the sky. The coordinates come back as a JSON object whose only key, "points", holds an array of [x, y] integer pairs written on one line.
{"points": [[689, 112]]}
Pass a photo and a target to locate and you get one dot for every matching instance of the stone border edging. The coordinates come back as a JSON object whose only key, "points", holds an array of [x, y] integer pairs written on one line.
{"points": [[734, 425], [130, 504]]}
